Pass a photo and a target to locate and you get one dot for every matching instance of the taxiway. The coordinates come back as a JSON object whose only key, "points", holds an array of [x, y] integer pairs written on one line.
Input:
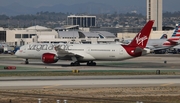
{"points": [[149, 62]]}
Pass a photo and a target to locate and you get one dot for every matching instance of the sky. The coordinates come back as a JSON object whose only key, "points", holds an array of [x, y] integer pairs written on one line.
{"points": [[167, 4], [36, 3]]}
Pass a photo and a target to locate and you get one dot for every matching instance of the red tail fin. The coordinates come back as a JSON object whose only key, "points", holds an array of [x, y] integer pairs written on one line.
{"points": [[142, 37]]}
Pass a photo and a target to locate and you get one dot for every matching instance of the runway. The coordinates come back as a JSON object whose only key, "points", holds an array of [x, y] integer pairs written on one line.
{"points": [[149, 62], [88, 81]]}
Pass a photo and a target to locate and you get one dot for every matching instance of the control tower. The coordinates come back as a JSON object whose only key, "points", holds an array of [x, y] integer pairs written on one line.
{"points": [[154, 12]]}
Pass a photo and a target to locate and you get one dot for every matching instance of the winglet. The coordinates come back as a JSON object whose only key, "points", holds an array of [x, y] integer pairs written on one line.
{"points": [[142, 37]]}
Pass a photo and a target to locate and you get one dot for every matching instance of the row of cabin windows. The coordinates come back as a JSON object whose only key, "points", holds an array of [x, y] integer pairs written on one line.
{"points": [[100, 50], [24, 35]]}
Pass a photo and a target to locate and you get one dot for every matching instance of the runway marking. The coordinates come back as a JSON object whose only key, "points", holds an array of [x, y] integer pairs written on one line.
{"points": [[51, 86], [167, 84]]}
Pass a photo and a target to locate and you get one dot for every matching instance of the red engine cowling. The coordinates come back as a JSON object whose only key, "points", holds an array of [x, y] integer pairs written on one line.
{"points": [[49, 58]]}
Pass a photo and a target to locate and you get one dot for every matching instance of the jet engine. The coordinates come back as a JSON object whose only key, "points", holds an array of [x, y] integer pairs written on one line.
{"points": [[49, 58]]}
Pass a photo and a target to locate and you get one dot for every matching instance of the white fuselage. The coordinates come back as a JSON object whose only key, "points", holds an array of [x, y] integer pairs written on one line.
{"points": [[35, 51], [99, 52], [85, 52]]}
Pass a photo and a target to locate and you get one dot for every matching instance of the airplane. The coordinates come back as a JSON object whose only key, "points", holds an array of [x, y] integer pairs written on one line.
{"points": [[164, 36], [160, 45], [176, 36], [88, 53], [156, 45]]}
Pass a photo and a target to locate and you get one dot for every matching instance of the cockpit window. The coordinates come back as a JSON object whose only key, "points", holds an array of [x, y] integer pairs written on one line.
{"points": [[22, 48]]}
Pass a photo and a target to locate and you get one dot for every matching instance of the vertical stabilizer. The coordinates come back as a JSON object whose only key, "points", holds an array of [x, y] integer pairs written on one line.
{"points": [[142, 37]]}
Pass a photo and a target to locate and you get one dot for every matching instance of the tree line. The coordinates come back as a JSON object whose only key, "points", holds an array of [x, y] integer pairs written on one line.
{"points": [[53, 19]]}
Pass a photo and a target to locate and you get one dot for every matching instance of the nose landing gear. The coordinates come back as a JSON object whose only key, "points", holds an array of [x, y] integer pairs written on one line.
{"points": [[26, 61]]}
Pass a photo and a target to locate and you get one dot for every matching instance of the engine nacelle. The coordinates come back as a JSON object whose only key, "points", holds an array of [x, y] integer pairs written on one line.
{"points": [[49, 58]]}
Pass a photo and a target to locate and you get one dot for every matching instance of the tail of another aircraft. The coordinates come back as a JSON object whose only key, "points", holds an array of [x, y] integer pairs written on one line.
{"points": [[142, 37], [164, 36], [176, 35], [176, 31]]}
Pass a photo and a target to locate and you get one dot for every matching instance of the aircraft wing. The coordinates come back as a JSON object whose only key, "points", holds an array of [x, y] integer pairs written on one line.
{"points": [[155, 47], [158, 49], [64, 53]]}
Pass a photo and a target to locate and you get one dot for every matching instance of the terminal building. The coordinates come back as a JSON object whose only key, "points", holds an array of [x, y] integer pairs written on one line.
{"points": [[21, 36], [154, 12]]}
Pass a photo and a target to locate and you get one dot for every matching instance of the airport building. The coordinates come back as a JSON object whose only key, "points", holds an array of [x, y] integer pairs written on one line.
{"points": [[154, 12], [2, 34], [21, 36], [154, 34], [80, 29], [82, 21]]}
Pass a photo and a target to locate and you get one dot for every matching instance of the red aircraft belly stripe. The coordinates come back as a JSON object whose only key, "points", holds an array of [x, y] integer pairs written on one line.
{"points": [[169, 43], [174, 38]]}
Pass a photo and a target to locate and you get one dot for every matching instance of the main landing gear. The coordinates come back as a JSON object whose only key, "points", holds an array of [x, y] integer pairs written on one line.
{"points": [[75, 63], [26, 61], [91, 63]]}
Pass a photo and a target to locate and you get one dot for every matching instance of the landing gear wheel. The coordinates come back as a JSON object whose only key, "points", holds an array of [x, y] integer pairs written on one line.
{"points": [[75, 64], [72, 64], [91, 63], [26, 62], [94, 64]]}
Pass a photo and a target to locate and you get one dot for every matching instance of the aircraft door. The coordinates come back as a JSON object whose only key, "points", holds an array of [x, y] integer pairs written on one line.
{"points": [[121, 51], [88, 50]]}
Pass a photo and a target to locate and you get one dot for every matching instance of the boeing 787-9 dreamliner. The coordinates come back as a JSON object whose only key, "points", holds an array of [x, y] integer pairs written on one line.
{"points": [[88, 53]]}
